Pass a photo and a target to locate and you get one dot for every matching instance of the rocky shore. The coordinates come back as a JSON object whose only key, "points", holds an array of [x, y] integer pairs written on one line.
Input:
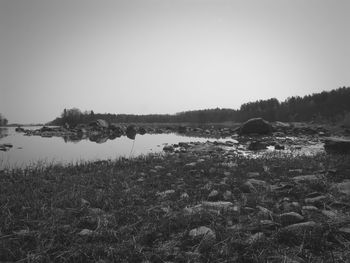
{"points": [[203, 204], [198, 202]]}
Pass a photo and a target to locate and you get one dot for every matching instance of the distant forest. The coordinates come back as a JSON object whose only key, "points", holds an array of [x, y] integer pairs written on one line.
{"points": [[3, 120], [328, 105]]}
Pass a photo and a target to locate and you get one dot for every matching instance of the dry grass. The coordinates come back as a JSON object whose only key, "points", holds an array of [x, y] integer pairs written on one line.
{"points": [[43, 211]]}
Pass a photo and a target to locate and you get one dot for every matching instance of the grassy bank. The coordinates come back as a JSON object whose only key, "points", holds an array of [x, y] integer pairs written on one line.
{"points": [[143, 210]]}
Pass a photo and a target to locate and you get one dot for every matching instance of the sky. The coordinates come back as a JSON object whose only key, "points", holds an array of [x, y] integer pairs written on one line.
{"points": [[166, 56]]}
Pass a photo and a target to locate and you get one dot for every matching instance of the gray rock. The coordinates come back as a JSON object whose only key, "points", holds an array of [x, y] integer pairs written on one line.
{"points": [[257, 126]]}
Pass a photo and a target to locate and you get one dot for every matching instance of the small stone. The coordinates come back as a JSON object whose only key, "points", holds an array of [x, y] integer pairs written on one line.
{"points": [[290, 218], [22, 232], [158, 167], [309, 208], [264, 213], [190, 165], [204, 233], [311, 177], [253, 174], [318, 200], [184, 196], [86, 232], [214, 195], [248, 187]]}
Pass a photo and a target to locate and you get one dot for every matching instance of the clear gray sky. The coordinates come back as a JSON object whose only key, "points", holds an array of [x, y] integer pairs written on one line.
{"points": [[166, 56]]}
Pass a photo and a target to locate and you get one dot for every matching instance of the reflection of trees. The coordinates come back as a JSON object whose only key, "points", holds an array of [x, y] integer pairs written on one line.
{"points": [[131, 136], [98, 138], [3, 132], [74, 138], [3, 120]]}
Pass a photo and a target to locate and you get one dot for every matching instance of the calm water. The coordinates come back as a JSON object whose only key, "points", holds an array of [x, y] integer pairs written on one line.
{"points": [[27, 150]]}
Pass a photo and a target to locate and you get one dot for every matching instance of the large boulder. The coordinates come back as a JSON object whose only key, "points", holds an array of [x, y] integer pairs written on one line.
{"points": [[19, 129], [256, 125], [99, 124], [337, 145]]}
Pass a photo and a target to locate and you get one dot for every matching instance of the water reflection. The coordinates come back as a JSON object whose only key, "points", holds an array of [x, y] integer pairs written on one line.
{"points": [[131, 132], [28, 150], [97, 138]]}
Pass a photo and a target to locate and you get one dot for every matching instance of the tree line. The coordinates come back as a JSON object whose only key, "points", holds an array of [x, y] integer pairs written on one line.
{"points": [[327, 105], [3, 120]]}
